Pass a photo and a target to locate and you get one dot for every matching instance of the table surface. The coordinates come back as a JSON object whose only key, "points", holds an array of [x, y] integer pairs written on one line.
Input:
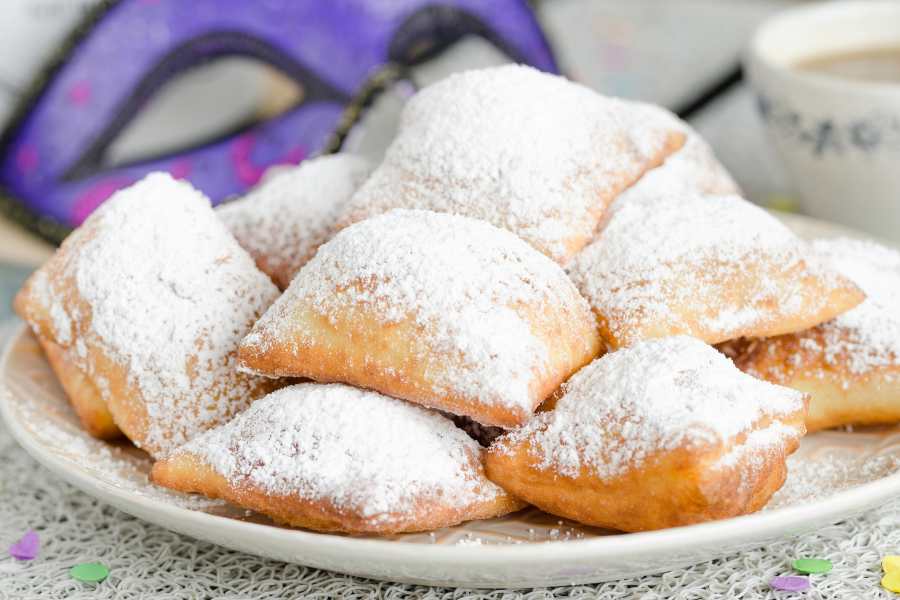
{"points": [[607, 44]]}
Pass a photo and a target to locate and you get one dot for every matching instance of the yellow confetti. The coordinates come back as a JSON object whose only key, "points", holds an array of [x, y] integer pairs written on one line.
{"points": [[891, 562], [782, 203], [891, 581]]}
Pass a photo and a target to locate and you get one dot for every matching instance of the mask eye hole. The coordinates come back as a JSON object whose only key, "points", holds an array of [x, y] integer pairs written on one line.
{"points": [[204, 103]]}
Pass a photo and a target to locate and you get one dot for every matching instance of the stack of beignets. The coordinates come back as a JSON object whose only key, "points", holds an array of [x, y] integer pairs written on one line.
{"points": [[519, 227]]}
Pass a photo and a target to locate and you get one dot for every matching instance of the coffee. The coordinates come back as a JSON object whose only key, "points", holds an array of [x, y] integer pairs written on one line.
{"points": [[873, 64]]}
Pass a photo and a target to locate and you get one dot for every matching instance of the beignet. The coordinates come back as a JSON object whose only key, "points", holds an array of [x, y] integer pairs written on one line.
{"points": [[527, 151], [337, 458], [850, 366], [446, 311], [84, 396], [693, 168], [714, 267], [148, 300], [283, 221], [661, 434]]}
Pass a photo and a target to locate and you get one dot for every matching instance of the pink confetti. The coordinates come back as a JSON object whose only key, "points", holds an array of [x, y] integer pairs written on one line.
{"points": [[790, 583], [26, 548]]}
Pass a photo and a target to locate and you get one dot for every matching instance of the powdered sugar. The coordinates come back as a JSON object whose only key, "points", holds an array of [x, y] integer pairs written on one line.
{"points": [[60, 322], [655, 396], [692, 169], [526, 151], [282, 222], [868, 336], [757, 445], [834, 468], [463, 281], [170, 295], [117, 465], [361, 451], [753, 456], [657, 254]]}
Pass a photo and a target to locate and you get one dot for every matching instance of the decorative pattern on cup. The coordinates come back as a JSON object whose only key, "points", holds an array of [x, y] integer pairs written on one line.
{"points": [[830, 136]]}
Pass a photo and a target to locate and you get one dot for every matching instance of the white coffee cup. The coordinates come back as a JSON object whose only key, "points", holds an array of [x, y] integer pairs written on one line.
{"points": [[839, 138]]}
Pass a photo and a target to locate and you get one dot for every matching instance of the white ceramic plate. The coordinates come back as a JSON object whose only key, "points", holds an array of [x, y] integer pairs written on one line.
{"points": [[834, 475]]}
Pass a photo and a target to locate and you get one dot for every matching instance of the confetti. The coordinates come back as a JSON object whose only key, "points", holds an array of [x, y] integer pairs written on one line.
{"points": [[782, 203], [812, 565], [26, 548], [790, 583], [89, 572], [891, 581], [890, 563]]}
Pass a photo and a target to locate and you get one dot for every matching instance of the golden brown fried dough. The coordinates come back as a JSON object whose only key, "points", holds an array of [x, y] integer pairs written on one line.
{"points": [[663, 433], [147, 302], [526, 151], [82, 393], [713, 267], [337, 458], [437, 309]]}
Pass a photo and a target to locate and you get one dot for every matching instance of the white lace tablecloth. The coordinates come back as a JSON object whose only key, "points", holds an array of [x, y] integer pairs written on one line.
{"points": [[147, 561]]}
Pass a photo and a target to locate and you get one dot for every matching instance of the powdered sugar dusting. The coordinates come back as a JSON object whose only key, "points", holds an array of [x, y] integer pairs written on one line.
{"points": [[282, 222], [658, 395], [118, 465], [60, 322], [659, 253], [171, 294], [752, 456], [813, 477], [868, 336], [526, 151], [692, 169], [758, 443], [463, 281], [357, 449]]}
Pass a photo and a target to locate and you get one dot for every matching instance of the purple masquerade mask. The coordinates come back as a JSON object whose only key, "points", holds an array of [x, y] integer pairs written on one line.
{"points": [[53, 157]]}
